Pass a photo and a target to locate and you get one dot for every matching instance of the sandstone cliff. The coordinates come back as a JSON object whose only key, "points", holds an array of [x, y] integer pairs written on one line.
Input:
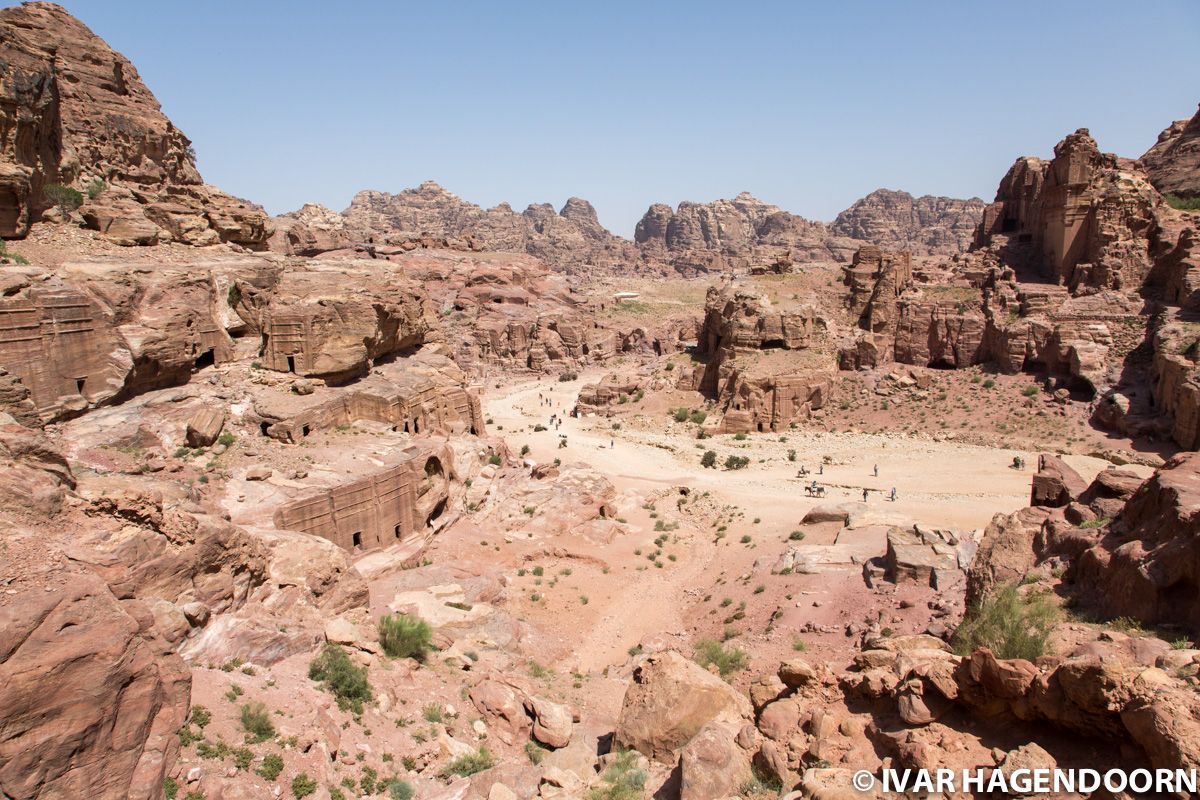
{"points": [[1173, 163], [76, 113], [924, 225]]}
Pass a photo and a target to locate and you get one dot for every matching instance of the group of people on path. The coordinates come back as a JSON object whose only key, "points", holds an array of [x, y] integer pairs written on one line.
{"points": [[814, 487]]}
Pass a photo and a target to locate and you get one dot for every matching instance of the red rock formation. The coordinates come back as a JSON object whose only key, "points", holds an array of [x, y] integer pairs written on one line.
{"points": [[1147, 565], [105, 333], [740, 325], [921, 225], [77, 113], [1173, 163], [723, 235]]}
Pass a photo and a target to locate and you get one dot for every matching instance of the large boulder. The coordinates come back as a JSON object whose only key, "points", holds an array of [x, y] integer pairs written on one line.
{"points": [[669, 701]]}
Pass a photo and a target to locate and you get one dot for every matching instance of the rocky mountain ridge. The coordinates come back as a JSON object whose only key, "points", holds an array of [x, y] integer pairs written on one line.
{"points": [[691, 239]]}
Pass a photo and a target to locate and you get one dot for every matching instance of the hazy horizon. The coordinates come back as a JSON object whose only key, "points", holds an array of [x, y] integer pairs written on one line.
{"points": [[807, 108]]}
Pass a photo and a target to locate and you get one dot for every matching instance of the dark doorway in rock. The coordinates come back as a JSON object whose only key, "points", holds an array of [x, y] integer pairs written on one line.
{"points": [[356, 538], [291, 363], [436, 512], [397, 530], [264, 427], [305, 430], [773, 344], [406, 426], [79, 384], [207, 359], [416, 426]]}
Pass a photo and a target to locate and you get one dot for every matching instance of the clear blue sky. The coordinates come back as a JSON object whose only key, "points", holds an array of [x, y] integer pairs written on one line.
{"points": [[806, 105]]}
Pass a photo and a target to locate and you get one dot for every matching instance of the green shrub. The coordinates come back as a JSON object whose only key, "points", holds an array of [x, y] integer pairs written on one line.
{"points": [[432, 713], [680, 414], [226, 438], [1099, 522], [404, 636], [96, 188], [988, 384], [256, 721], [566, 377], [242, 757], [1182, 203], [400, 790], [622, 780], [698, 416], [737, 462], [170, 788], [796, 536], [271, 766], [740, 437], [200, 716], [524, 450], [1029, 391], [494, 460], [709, 459], [791, 455], [535, 752], [470, 763], [708, 652], [1010, 625], [345, 681], [303, 786], [66, 198]]}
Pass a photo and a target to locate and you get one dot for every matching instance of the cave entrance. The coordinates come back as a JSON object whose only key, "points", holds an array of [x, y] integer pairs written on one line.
{"points": [[356, 538], [397, 530], [585, 349], [291, 363], [773, 344], [207, 359], [305, 430], [433, 467], [406, 426], [416, 426], [79, 384], [942, 363], [264, 427]]}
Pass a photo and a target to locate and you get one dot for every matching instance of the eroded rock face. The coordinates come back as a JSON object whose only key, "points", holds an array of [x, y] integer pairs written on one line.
{"points": [[1173, 163], [740, 331], [103, 333], [922, 225], [1085, 218], [91, 696], [1147, 565], [670, 701], [720, 236], [79, 115]]}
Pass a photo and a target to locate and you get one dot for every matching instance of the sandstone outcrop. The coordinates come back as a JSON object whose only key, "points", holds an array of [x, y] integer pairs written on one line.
{"points": [[79, 116], [671, 703], [1173, 163], [725, 235], [91, 696], [1147, 565], [738, 340], [923, 225]]}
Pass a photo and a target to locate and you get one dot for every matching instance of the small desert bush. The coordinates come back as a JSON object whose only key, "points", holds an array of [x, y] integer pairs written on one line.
{"points": [[1010, 625], [404, 636], [66, 198], [709, 459], [256, 721], [271, 766], [470, 763], [737, 462], [567, 377], [622, 780], [726, 660], [303, 786], [341, 678]]}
